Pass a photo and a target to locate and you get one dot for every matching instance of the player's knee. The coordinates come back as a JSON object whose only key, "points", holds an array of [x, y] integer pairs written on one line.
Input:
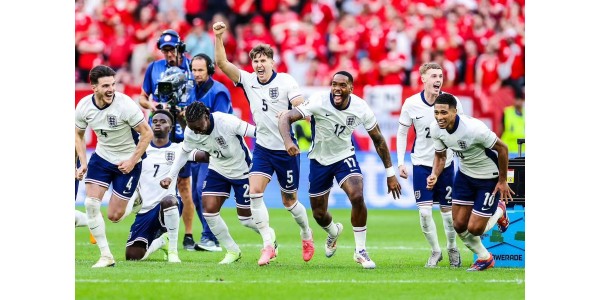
{"points": [[460, 225], [115, 215], [135, 252], [168, 201], [210, 207], [425, 211], [319, 214], [92, 206], [476, 231], [356, 198]]}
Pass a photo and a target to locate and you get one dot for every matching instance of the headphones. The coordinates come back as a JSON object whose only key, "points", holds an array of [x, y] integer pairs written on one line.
{"points": [[180, 46], [210, 65]]}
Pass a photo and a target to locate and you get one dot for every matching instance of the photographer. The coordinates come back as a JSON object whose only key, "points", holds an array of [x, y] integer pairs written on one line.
{"points": [[216, 97], [173, 49]]}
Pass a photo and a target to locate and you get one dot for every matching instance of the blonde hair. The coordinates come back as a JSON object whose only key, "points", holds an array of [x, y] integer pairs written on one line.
{"points": [[428, 66]]}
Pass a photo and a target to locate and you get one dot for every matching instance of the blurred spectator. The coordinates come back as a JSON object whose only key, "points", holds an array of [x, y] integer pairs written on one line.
{"points": [[297, 62], [513, 124], [91, 49], [318, 13], [193, 9], [242, 10], [468, 65], [317, 73], [448, 67], [255, 33], [392, 66], [512, 61], [487, 78], [199, 41], [119, 48], [403, 39], [144, 29], [344, 40], [368, 74], [172, 7]]}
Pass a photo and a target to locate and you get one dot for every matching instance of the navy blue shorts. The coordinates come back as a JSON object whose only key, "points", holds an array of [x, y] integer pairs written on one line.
{"points": [[441, 192], [103, 173], [148, 225], [320, 178], [475, 192], [220, 186], [287, 168]]}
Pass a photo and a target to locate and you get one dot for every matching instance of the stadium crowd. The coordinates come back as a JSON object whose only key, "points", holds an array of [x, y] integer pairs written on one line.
{"points": [[479, 43]]}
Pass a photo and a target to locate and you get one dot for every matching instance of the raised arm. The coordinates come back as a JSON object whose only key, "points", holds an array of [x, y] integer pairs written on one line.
{"points": [[384, 154], [285, 123], [221, 57]]}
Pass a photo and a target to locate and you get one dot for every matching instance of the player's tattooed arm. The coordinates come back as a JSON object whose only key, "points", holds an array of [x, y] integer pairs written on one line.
{"points": [[381, 146], [383, 152]]}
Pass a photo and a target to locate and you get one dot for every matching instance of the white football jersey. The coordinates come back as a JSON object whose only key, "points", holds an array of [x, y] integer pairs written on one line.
{"points": [[112, 124], [266, 100], [472, 142], [331, 140], [229, 154], [416, 111], [155, 167]]}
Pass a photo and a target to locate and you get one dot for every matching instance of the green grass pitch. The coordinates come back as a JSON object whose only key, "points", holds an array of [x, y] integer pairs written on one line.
{"points": [[394, 242]]}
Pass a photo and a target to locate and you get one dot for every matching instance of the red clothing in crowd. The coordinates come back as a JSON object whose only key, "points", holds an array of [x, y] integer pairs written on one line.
{"points": [[488, 66]]}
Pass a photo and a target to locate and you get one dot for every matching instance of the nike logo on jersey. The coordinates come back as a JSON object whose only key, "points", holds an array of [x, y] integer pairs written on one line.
{"points": [[255, 87], [327, 115], [419, 117], [352, 170], [289, 186]]}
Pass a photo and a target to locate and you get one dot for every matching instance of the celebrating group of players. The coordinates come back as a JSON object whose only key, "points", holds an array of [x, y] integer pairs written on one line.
{"points": [[146, 164]]}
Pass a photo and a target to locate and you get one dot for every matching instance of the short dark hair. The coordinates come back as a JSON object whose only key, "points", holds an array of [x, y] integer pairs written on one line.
{"points": [[350, 78], [263, 49], [165, 112], [100, 71], [196, 111], [446, 98]]}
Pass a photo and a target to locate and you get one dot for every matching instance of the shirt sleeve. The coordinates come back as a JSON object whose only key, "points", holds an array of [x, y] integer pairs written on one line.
{"points": [[79, 118], [239, 126], [485, 136], [294, 89], [438, 145], [309, 106], [244, 76], [369, 119], [135, 115], [404, 118]]}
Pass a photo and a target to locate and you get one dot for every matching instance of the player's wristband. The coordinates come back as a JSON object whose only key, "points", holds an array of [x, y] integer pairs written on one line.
{"points": [[389, 172]]}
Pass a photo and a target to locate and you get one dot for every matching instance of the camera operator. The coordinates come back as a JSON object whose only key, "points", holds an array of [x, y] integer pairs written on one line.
{"points": [[217, 98], [173, 49]]}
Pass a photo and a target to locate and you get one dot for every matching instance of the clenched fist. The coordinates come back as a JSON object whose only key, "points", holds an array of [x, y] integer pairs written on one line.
{"points": [[219, 28]]}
